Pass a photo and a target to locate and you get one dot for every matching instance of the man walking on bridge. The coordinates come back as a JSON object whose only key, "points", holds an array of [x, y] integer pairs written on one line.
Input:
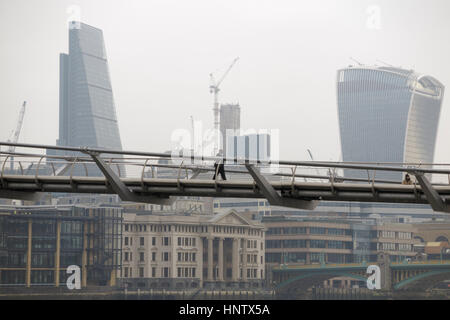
{"points": [[219, 167], [407, 179]]}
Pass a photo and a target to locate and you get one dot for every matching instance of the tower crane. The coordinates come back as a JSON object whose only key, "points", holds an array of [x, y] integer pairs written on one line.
{"points": [[312, 159], [192, 135], [16, 133], [214, 89]]}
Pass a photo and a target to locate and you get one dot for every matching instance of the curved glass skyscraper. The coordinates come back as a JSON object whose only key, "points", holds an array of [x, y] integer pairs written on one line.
{"points": [[387, 114]]}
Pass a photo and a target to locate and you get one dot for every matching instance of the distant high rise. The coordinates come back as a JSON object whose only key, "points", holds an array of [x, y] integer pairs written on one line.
{"points": [[87, 115], [250, 146], [387, 114], [87, 112], [230, 119]]}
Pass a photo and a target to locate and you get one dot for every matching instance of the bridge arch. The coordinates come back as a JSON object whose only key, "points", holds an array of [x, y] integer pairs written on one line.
{"points": [[315, 277], [423, 280]]}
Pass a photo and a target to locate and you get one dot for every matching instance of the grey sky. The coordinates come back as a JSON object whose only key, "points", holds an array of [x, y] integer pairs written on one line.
{"points": [[161, 53]]}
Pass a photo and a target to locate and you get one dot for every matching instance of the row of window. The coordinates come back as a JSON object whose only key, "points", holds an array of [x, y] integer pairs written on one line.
{"points": [[394, 246], [186, 241], [127, 272], [312, 230], [181, 241], [394, 235], [253, 258], [339, 232], [128, 256], [302, 243], [128, 241], [300, 257], [186, 272], [129, 227], [253, 273], [183, 257], [237, 230], [186, 256], [252, 244]]}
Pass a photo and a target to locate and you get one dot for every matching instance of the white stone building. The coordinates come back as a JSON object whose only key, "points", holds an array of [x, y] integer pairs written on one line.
{"points": [[192, 251]]}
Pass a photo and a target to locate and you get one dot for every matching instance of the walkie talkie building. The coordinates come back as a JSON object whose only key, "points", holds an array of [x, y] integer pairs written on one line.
{"points": [[387, 114]]}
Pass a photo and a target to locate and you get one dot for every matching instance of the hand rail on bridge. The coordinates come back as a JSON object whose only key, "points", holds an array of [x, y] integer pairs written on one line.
{"points": [[437, 202], [334, 165], [324, 164]]}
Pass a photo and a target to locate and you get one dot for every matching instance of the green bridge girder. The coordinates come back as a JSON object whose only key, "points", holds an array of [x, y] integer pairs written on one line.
{"points": [[436, 270]]}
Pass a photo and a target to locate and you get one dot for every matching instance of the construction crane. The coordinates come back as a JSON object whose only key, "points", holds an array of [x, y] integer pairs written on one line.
{"points": [[192, 135], [16, 133], [214, 88], [312, 159], [359, 63]]}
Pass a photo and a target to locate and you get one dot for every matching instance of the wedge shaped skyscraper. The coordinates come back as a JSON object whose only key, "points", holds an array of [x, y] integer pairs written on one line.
{"points": [[87, 115], [387, 114]]}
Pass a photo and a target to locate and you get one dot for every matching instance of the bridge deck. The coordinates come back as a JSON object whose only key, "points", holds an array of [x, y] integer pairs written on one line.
{"points": [[235, 188], [288, 193], [430, 264]]}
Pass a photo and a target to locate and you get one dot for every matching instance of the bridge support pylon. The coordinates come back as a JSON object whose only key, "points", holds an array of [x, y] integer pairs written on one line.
{"points": [[383, 262]]}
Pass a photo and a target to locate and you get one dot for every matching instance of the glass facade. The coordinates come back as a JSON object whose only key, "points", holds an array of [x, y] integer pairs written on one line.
{"points": [[230, 119], [92, 232], [387, 115], [87, 115], [361, 242]]}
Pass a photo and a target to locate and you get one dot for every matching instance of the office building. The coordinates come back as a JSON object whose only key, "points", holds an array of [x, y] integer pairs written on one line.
{"points": [[192, 251], [38, 243], [308, 241], [250, 146], [230, 122], [387, 114], [432, 231], [87, 114]]}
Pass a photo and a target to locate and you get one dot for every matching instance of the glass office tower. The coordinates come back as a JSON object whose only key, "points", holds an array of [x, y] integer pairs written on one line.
{"points": [[230, 119], [38, 243], [387, 114], [87, 115]]}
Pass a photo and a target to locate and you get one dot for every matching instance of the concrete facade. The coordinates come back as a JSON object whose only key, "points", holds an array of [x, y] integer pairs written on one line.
{"points": [[306, 241], [196, 251], [432, 232]]}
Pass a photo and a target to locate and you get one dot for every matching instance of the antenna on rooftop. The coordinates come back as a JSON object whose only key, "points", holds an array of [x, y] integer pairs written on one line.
{"points": [[389, 65], [359, 63]]}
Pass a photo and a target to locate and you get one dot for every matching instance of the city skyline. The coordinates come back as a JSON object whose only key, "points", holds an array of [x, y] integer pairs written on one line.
{"points": [[295, 90], [101, 197]]}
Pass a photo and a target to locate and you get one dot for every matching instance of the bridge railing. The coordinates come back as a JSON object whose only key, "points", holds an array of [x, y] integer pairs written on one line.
{"points": [[331, 184], [24, 163]]}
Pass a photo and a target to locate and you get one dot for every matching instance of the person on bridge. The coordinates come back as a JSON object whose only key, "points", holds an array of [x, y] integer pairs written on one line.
{"points": [[221, 167], [407, 179]]}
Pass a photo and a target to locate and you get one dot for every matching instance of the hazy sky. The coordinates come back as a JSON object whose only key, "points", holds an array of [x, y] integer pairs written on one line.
{"points": [[161, 53]]}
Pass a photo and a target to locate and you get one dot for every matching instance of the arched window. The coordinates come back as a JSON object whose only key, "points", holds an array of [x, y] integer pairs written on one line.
{"points": [[441, 239]]}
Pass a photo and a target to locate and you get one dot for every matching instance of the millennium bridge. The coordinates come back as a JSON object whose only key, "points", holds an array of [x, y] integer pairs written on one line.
{"points": [[23, 177]]}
